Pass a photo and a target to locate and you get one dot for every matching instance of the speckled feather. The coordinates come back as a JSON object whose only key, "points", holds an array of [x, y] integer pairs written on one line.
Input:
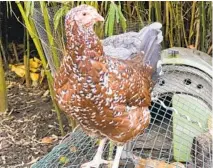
{"points": [[109, 97]]}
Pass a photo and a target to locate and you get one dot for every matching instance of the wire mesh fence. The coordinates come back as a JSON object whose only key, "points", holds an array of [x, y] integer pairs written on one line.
{"points": [[180, 113], [179, 130]]}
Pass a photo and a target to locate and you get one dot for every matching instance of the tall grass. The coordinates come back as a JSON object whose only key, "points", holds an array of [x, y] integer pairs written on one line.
{"points": [[184, 23]]}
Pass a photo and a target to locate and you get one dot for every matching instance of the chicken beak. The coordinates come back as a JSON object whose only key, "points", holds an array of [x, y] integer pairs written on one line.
{"points": [[98, 17]]}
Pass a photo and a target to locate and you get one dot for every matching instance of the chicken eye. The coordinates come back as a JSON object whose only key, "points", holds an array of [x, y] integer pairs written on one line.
{"points": [[84, 14]]}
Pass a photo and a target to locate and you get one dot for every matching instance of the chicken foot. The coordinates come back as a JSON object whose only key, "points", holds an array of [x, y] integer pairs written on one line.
{"points": [[97, 160]]}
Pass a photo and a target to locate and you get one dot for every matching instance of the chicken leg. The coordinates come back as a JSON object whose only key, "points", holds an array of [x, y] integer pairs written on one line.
{"points": [[97, 160], [117, 156], [127, 151]]}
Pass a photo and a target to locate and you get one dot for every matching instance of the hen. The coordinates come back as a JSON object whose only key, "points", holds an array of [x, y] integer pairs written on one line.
{"points": [[107, 90]]}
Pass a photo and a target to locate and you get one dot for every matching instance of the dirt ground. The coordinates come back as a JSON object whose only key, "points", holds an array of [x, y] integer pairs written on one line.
{"points": [[30, 118]]}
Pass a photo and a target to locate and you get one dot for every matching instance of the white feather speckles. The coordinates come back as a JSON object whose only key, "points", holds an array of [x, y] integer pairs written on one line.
{"points": [[109, 91], [89, 95], [94, 90], [117, 114], [63, 92], [108, 101], [146, 114], [106, 80]]}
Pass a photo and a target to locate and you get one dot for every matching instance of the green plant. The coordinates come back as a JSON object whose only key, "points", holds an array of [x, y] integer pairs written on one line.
{"points": [[3, 89], [33, 33]]}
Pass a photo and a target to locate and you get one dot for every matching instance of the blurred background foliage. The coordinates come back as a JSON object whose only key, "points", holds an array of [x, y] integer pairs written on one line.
{"points": [[185, 24]]}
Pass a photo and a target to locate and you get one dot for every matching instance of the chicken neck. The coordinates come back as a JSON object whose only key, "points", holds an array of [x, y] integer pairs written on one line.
{"points": [[83, 42]]}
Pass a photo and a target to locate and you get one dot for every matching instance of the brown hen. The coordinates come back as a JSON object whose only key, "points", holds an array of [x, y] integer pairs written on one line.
{"points": [[108, 95]]}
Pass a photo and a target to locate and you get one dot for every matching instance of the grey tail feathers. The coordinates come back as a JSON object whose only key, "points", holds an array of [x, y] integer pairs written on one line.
{"points": [[151, 38]]}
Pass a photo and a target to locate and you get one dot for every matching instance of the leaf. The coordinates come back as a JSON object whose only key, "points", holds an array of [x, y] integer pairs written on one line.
{"points": [[18, 69], [32, 7], [59, 14], [34, 76], [106, 5], [34, 64], [29, 7], [106, 26], [34, 69], [37, 60], [42, 76], [122, 18], [117, 17], [114, 13], [63, 160], [111, 19], [73, 149], [145, 163], [47, 140]]}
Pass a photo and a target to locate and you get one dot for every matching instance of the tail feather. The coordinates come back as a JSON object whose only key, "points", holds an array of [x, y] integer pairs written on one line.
{"points": [[151, 38]]}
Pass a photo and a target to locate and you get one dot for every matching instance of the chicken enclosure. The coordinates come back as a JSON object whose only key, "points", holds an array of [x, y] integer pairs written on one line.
{"points": [[180, 127], [181, 123]]}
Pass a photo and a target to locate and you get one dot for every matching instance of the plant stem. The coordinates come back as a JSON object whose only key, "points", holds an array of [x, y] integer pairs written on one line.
{"points": [[3, 89], [15, 51], [49, 34], [27, 60], [3, 52], [183, 27], [150, 11], [139, 14], [197, 34], [167, 20], [203, 25], [157, 11], [171, 25], [192, 22]]}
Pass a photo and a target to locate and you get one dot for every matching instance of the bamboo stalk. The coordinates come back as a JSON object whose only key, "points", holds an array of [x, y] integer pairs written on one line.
{"points": [[32, 32], [167, 20], [183, 27], [49, 34], [3, 52], [171, 26], [139, 14], [150, 12], [177, 16], [15, 52], [197, 34], [157, 11], [128, 5], [209, 50], [3, 89], [203, 25], [191, 32], [27, 60]]}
